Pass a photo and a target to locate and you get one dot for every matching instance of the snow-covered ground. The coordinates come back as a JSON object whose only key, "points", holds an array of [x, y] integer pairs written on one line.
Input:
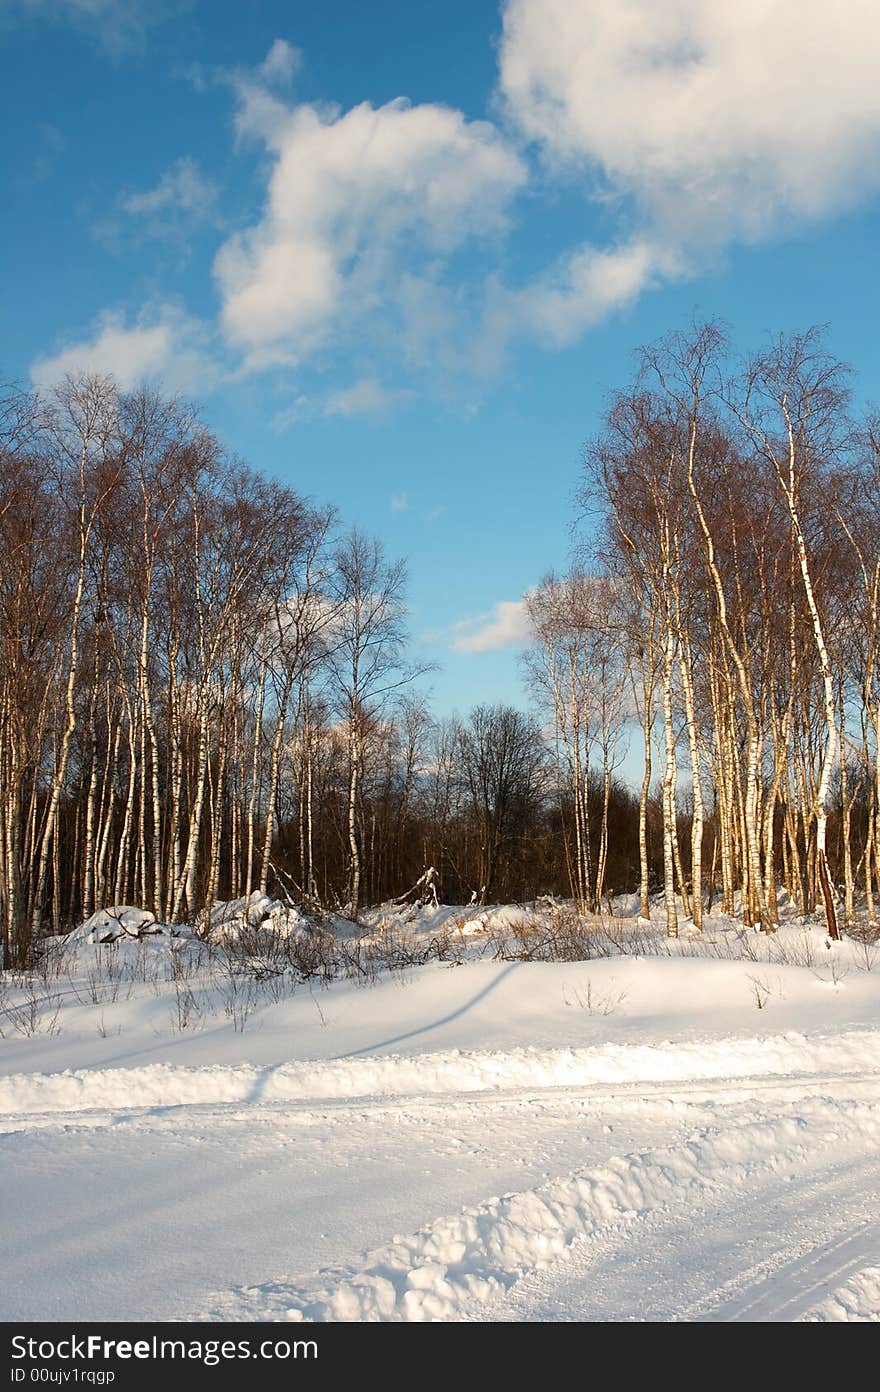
{"points": [[645, 1135]]}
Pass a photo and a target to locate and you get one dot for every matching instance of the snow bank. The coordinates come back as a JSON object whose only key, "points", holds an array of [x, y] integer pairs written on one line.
{"points": [[233, 917], [228, 921], [430, 920], [111, 925], [852, 1053], [442, 1271], [858, 1300]]}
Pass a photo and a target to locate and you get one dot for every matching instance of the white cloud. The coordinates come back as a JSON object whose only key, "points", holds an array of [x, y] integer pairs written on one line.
{"points": [[116, 24], [163, 345], [558, 307], [399, 502], [178, 205], [77, 9], [365, 209], [697, 122], [280, 63], [52, 146], [182, 188], [505, 625], [721, 118], [364, 397], [301, 409], [356, 201]]}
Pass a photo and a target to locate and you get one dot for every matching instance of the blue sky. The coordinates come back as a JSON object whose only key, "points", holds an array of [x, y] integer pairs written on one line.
{"points": [[415, 308]]}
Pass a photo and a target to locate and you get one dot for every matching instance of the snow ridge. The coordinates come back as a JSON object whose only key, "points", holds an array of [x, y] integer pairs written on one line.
{"points": [[856, 1301], [461, 1261], [163, 1085]]}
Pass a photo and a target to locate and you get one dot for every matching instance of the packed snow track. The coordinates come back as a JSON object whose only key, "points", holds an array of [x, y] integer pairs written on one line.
{"points": [[736, 1180]]}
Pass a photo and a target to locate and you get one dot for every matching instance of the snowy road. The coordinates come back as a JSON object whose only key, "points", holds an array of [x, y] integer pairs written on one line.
{"points": [[767, 1252], [690, 1198], [162, 1207]]}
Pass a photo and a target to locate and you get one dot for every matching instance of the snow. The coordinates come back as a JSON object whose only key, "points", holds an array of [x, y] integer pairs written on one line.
{"points": [[226, 920], [683, 1132], [439, 1074], [858, 1299], [230, 918], [111, 925], [472, 1257]]}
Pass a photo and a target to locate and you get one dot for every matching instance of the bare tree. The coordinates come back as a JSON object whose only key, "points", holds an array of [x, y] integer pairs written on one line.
{"points": [[365, 662], [503, 756]]}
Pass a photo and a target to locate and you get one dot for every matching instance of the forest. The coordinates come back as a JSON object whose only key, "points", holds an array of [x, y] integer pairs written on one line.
{"points": [[207, 684]]}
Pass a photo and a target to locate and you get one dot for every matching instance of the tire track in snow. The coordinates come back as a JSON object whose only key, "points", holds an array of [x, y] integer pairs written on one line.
{"points": [[628, 1099], [463, 1260], [792, 1289], [857, 1300], [854, 1052], [763, 1251]]}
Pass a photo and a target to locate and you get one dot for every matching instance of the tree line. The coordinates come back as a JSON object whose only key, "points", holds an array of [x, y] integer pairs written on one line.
{"points": [[737, 503], [205, 690], [206, 682]]}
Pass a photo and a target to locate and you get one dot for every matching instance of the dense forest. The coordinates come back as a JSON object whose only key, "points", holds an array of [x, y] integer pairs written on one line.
{"points": [[206, 686]]}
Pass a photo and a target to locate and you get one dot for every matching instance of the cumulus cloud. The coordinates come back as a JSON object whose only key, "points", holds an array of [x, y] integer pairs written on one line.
{"points": [[385, 230], [697, 123], [162, 345], [505, 625], [720, 119], [357, 201]]}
